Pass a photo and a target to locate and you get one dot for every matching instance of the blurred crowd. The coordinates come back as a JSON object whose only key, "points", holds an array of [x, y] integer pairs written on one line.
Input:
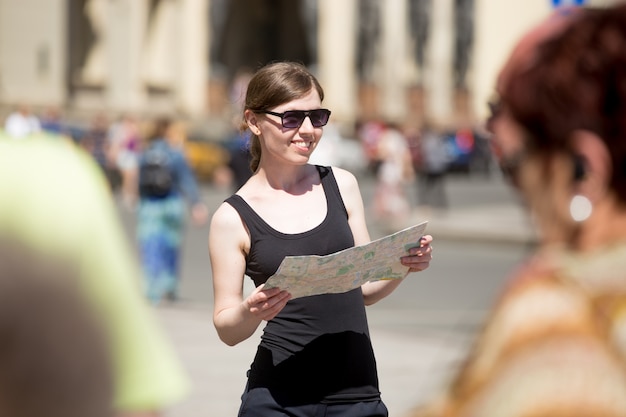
{"points": [[76, 335], [122, 149], [419, 158], [409, 164], [116, 141], [398, 156]]}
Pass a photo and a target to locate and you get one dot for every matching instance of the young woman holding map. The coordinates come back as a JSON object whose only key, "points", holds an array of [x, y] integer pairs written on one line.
{"points": [[315, 357]]}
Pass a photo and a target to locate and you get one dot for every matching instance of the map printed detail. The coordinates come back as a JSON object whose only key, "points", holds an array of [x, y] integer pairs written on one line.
{"points": [[347, 269]]}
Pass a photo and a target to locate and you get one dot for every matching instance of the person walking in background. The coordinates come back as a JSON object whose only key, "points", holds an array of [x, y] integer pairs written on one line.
{"points": [[22, 122], [315, 357], [165, 182], [51, 120], [395, 171], [239, 159], [434, 161], [554, 344], [123, 149], [94, 141], [64, 210], [370, 133], [237, 145]]}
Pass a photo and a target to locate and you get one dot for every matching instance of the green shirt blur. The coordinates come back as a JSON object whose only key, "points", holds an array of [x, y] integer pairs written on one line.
{"points": [[54, 198]]}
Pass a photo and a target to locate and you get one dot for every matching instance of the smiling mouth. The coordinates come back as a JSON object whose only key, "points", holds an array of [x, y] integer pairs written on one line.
{"points": [[303, 144]]}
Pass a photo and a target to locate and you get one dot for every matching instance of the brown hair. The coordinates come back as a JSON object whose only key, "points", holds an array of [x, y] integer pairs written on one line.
{"points": [[577, 80], [159, 129], [273, 85]]}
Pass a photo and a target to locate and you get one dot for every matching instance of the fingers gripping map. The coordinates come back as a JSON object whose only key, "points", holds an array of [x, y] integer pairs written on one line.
{"points": [[347, 269]]}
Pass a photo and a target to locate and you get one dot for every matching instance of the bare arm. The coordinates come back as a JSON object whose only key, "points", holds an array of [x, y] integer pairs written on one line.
{"points": [[417, 259], [234, 317]]}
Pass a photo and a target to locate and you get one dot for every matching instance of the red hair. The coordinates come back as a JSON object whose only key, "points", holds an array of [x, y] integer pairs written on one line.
{"points": [[575, 80]]}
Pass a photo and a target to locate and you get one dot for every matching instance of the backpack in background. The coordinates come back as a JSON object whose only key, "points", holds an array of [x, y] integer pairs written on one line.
{"points": [[156, 178]]}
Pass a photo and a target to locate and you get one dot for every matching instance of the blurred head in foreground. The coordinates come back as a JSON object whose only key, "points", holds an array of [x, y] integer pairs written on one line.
{"points": [[555, 343], [559, 124], [53, 356], [55, 201]]}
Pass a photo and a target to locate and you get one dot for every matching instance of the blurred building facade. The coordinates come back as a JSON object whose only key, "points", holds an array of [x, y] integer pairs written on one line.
{"points": [[403, 60]]}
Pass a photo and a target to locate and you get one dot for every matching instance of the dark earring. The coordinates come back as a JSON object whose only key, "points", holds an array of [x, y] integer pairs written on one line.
{"points": [[579, 168], [580, 207]]}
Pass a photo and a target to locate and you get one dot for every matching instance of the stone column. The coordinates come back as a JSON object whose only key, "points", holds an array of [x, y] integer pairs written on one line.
{"points": [[438, 77], [95, 71], [336, 52], [394, 60], [32, 51], [194, 57], [494, 39], [162, 44], [127, 24]]}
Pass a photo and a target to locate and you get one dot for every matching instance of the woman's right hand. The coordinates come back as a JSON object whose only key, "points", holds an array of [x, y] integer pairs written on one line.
{"points": [[266, 304]]}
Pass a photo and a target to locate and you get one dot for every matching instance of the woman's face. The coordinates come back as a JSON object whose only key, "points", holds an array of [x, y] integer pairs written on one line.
{"points": [[289, 145], [507, 141], [543, 180]]}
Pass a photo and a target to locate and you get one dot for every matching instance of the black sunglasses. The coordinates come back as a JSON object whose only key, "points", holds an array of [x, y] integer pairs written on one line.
{"points": [[293, 119], [495, 109]]}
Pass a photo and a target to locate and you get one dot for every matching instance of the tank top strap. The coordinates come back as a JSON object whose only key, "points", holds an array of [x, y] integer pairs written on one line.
{"points": [[250, 217], [331, 189]]}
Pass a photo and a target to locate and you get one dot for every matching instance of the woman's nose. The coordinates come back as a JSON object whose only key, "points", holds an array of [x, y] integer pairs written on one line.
{"points": [[307, 125]]}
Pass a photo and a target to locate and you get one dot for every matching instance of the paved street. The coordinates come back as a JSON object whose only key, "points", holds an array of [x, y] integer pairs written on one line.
{"points": [[411, 366], [419, 333]]}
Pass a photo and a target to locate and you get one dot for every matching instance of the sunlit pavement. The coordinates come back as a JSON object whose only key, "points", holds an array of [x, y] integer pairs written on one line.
{"points": [[411, 368]]}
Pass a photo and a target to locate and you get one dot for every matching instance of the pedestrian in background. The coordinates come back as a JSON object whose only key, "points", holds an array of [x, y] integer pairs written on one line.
{"points": [[64, 210], [395, 172], [315, 357], [124, 140], [237, 145], [369, 133], [94, 141], [22, 122], [51, 121], [434, 162], [166, 185], [554, 345]]}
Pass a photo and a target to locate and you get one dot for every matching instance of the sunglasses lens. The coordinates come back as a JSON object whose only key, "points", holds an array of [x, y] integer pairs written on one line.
{"points": [[293, 118], [319, 117]]}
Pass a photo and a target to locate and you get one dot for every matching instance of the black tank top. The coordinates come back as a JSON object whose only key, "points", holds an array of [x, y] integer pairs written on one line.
{"points": [[317, 349]]}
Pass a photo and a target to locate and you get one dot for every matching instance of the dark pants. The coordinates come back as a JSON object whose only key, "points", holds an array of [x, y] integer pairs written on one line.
{"points": [[258, 402]]}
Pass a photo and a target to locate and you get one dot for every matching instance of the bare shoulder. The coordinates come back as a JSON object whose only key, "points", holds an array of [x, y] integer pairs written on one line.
{"points": [[226, 220], [349, 189], [345, 180]]}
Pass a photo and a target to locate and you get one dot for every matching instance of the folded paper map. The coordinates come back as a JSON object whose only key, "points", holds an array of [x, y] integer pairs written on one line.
{"points": [[347, 269]]}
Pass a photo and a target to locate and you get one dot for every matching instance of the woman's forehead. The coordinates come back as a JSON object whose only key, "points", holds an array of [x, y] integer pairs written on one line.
{"points": [[312, 98]]}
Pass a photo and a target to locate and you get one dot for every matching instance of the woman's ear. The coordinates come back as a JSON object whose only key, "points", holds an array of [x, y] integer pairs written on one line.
{"points": [[594, 169], [252, 122]]}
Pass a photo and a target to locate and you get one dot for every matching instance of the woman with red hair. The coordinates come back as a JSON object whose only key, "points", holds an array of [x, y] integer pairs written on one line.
{"points": [[555, 344]]}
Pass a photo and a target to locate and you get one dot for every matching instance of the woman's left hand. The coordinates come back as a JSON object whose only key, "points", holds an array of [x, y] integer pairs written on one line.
{"points": [[419, 256]]}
